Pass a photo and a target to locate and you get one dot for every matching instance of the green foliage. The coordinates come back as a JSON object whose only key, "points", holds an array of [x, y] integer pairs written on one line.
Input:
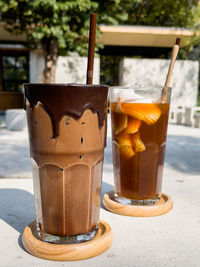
{"points": [[198, 102], [164, 13], [67, 22], [109, 69], [174, 13]]}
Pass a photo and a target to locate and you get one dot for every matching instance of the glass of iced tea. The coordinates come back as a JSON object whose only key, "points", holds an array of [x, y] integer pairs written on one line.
{"points": [[139, 128]]}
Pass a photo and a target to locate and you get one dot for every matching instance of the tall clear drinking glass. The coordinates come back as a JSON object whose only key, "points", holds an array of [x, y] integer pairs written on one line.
{"points": [[139, 128], [67, 131]]}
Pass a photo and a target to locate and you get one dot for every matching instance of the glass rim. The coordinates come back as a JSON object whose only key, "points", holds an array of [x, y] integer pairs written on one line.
{"points": [[63, 85], [140, 87]]}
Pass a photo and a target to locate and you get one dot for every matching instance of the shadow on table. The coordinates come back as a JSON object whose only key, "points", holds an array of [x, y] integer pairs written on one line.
{"points": [[105, 188], [17, 209], [182, 153]]}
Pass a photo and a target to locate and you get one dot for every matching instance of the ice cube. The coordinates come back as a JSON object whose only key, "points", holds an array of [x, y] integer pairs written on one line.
{"points": [[130, 96]]}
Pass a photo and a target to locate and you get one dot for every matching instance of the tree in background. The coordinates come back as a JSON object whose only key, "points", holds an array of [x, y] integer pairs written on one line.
{"points": [[167, 13], [164, 13], [170, 13], [56, 27], [60, 26]]}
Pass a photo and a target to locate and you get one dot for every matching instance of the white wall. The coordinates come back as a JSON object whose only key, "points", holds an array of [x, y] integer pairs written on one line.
{"points": [[36, 67], [184, 81], [68, 69], [73, 70]]}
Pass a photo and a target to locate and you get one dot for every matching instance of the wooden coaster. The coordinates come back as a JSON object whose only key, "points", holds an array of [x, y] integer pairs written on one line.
{"points": [[161, 207], [68, 252]]}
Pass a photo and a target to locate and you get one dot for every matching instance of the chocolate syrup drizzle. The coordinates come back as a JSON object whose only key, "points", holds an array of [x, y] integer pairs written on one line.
{"points": [[68, 99]]}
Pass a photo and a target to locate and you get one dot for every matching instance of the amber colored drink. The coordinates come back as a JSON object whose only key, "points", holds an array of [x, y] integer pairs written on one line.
{"points": [[139, 138]]}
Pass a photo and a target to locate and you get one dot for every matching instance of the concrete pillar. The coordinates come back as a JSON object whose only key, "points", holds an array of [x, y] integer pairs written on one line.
{"points": [[73, 70], [68, 70], [197, 120], [36, 67], [180, 115], [154, 71], [16, 120]]}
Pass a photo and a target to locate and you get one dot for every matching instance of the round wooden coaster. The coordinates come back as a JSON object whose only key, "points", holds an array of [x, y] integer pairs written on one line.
{"points": [[68, 252], [161, 207]]}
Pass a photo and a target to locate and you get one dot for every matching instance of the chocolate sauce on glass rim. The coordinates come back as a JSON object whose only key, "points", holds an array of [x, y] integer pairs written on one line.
{"points": [[76, 98]]}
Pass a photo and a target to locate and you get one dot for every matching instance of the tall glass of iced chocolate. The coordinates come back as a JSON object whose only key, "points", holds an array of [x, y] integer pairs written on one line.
{"points": [[139, 128], [67, 135]]}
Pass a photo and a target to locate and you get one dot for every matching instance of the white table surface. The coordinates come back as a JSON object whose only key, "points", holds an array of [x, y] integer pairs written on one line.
{"points": [[168, 240]]}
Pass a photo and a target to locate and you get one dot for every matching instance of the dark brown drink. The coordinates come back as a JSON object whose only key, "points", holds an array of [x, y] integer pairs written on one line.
{"points": [[67, 131], [139, 139]]}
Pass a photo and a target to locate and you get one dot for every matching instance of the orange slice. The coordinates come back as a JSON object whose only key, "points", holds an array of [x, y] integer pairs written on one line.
{"points": [[147, 112], [127, 151], [137, 143], [123, 140], [133, 126], [120, 124], [125, 146]]}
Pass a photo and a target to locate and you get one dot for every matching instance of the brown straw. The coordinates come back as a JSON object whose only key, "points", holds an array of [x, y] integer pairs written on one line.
{"points": [[92, 37], [171, 66]]}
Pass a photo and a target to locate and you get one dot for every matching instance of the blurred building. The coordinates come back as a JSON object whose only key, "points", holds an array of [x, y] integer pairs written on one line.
{"points": [[18, 65]]}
